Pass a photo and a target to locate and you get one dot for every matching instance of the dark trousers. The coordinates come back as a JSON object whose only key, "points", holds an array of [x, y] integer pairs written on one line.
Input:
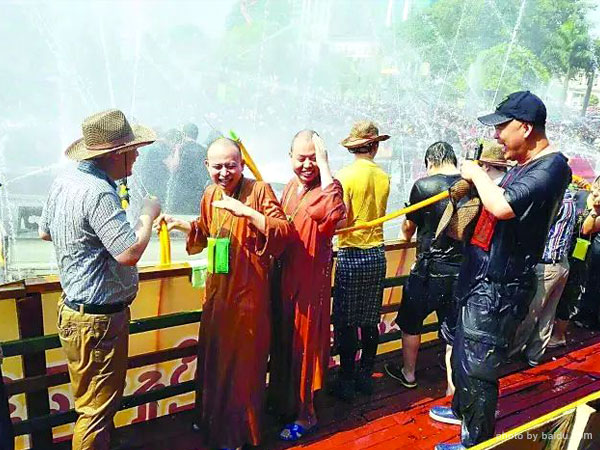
{"points": [[7, 440], [348, 346], [590, 300], [488, 320]]}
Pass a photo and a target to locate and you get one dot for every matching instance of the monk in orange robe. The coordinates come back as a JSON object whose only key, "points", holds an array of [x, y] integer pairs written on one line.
{"points": [[313, 202], [234, 340]]}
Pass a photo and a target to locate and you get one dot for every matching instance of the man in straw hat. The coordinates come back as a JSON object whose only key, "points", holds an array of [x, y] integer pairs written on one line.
{"points": [[242, 226], [96, 251], [432, 279], [360, 267], [497, 277], [493, 160]]}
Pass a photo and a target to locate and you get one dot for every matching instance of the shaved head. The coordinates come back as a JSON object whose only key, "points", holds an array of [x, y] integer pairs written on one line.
{"points": [[225, 164], [222, 144], [302, 137], [302, 154]]}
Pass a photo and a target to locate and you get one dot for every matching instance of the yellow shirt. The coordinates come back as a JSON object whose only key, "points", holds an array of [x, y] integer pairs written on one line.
{"points": [[366, 190]]}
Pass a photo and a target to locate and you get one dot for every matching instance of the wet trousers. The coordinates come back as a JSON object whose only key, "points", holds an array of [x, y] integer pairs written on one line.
{"points": [[96, 346], [7, 440], [489, 316], [348, 345]]}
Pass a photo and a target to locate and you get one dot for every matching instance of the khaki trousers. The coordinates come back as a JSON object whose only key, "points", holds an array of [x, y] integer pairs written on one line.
{"points": [[535, 331], [96, 346]]}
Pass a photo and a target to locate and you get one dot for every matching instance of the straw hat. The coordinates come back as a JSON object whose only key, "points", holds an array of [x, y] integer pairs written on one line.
{"points": [[459, 217], [108, 132], [363, 133], [493, 154]]}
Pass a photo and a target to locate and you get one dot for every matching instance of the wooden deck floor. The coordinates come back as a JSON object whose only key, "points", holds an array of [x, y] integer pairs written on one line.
{"points": [[397, 418]]}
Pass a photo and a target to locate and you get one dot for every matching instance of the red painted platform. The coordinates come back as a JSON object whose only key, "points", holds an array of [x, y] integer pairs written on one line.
{"points": [[397, 418]]}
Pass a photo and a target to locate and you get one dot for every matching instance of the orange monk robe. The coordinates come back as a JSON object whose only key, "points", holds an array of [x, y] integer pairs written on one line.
{"points": [[298, 370], [233, 344]]}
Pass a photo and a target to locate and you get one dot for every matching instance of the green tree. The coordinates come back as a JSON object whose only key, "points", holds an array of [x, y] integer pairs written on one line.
{"points": [[569, 50], [452, 35], [590, 72], [523, 70]]}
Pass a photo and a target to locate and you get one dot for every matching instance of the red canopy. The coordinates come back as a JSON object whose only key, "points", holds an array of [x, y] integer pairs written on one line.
{"points": [[583, 167]]}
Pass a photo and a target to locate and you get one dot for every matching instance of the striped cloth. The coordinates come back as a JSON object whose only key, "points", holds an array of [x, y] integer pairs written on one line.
{"points": [[83, 215], [561, 232], [358, 289]]}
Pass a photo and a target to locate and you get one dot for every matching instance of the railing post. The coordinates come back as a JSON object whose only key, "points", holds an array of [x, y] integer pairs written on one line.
{"points": [[30, 319]]}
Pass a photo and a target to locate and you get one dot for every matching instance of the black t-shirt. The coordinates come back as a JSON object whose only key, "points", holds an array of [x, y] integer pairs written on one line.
{"points": [[427, 219], [534, 192]]}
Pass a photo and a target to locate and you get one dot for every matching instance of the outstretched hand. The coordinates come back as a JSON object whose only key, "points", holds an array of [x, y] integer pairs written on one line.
{"points": [[173, 223]]}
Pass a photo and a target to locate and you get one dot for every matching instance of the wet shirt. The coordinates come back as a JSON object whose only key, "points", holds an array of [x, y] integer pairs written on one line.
{"points": [[427, 219], [366, 190], [534, 191], [83, 215]]}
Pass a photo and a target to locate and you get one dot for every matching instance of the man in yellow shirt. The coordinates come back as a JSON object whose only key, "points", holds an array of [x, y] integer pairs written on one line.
{"points": [[360, 268]]}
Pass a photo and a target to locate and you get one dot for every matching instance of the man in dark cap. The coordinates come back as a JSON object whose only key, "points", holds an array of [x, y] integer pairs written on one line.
{"points": [[497, 279]]}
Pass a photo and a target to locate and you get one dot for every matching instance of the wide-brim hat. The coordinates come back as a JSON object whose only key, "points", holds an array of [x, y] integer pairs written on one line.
{"points": [[363, 133], [493, 153], [459, 218], [108, 132]]}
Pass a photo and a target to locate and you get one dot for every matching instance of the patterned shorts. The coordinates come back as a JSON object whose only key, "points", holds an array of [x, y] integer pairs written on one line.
{"points": [[358, 289]]}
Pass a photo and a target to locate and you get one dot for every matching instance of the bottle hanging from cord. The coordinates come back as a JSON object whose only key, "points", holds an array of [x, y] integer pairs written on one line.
{"points": [[123, 191]]}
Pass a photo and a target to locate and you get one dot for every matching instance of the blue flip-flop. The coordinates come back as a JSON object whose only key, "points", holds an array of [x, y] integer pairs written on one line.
{"points": [[293, 431]]}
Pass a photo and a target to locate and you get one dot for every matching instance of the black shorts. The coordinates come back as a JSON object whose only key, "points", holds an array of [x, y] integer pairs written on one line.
{"points": [[430, 287]]}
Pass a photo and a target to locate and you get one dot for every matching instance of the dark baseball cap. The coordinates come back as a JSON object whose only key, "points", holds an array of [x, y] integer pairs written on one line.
{"points": [[522, 105]]}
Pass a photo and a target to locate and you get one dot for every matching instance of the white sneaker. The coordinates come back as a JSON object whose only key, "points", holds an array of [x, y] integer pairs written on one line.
{"points": [[555, 343]]}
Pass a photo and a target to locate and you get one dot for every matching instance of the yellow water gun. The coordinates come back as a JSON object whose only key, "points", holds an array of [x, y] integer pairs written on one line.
{"points": [[246, 156], [165, 244], [373, 223]]}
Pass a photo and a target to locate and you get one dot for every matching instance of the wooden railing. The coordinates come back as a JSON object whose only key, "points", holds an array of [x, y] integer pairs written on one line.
{"points": [[33, 344]]}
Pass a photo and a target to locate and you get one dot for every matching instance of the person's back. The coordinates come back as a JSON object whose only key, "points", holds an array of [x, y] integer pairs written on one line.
{"points": [[427, 219], [432, 279], [150, 173], [361, 264], [366, 191], [189, 179], [73, 211]]}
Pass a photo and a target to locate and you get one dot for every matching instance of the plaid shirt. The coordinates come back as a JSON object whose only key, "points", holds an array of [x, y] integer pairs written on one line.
{"points": [[561, 232], [83, 215]]}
